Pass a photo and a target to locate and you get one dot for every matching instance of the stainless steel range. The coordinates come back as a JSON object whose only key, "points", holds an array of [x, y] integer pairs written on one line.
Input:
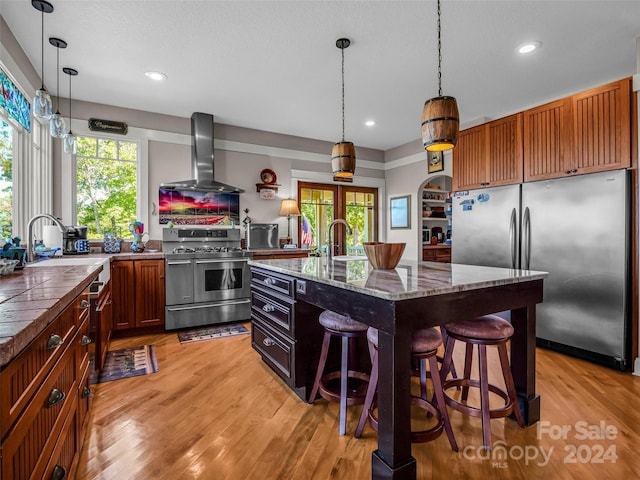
{"points": [[206, 277]]}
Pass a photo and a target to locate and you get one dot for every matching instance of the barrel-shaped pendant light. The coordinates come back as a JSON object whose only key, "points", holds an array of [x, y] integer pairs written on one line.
{"points": [[440, 118], [343, 154], [42, 100]]}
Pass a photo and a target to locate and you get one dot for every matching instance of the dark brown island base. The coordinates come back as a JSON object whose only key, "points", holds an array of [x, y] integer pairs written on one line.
{"points": [[396, 302]]}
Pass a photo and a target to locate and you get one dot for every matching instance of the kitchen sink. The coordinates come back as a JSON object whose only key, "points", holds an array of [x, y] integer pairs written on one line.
{"points": [[75, 261]]}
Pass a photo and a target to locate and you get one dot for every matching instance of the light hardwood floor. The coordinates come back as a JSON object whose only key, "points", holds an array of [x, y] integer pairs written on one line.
{"points": [[215, 411]]}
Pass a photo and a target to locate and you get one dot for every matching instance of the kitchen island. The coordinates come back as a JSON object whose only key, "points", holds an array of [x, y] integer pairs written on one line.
{"points": [[396, 302]]}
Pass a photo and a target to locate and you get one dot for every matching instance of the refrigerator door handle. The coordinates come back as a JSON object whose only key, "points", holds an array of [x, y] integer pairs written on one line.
{"points": [[526, 237], [512, 238]]}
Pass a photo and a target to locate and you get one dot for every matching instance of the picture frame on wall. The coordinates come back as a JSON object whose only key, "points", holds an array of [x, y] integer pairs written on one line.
{"points": [[435, 162], [400, 212]]}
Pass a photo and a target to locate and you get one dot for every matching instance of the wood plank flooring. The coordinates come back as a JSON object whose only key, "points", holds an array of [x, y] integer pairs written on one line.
{"points": [[215, 411]]}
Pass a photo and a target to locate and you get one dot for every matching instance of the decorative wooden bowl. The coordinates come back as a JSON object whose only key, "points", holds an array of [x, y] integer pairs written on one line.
{"points": [[384, 256]]}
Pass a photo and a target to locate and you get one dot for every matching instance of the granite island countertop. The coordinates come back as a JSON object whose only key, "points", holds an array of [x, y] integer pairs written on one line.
{"points": [[410, 279]]}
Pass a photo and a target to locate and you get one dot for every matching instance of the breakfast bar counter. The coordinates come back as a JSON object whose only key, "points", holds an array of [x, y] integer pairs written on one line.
{"points": [[411, 296]]}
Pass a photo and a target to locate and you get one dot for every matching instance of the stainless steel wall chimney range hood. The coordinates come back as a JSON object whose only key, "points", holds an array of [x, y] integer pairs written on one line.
{"points": [[202, 159]]}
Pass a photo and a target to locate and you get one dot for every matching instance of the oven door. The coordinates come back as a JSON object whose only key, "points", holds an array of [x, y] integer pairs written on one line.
{"points": [[221, 279], [178, 282]]}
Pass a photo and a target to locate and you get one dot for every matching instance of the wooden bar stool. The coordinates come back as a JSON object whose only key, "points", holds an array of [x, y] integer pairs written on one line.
{"points": [[351, 392], [482, 331], [424, 345]]}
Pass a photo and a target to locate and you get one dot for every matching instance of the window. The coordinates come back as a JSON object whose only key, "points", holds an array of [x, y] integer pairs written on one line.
{"points": [[106, 179], [6, 179], [320, 204]]}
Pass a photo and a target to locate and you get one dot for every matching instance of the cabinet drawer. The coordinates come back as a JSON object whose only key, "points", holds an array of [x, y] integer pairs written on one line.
{"points": [[33, 436], [275, 350], [67, 450], [273, 310], [22, 376], [281, 284]]}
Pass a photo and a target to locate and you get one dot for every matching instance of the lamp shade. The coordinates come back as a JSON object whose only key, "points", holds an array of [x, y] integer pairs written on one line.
{"points": [[289, 208]]}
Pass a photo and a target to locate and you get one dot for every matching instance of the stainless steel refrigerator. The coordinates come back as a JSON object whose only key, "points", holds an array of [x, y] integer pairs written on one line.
{"points": [[575, 228]]}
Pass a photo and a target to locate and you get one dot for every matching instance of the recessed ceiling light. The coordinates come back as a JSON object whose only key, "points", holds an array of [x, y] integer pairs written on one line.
{"points": [[528, 47], [157, 76], [369, 123]]}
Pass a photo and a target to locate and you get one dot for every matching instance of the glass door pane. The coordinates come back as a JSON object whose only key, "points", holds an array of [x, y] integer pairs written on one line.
{"points": [[321, 204]]}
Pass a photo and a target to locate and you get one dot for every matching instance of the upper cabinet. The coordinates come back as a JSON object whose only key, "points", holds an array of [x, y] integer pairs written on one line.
{"points": [[602, 128], [547, 140], [584, 133], [489, 155]]}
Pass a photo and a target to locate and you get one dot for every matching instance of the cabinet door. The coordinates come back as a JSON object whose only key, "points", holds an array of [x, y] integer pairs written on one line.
{"points": [[149, 303], [103, 327], [547, 141], [505, 151], [123, 289], [469, 159], [602, 128]]}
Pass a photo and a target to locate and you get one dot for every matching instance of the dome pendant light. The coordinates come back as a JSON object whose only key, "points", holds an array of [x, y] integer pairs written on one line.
{"points": [[343, 154], [440, 118], [70, 143], [57, 127], [42, 99]]}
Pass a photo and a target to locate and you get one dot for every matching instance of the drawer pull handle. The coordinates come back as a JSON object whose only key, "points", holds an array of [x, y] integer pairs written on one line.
{"points": [[54, 341], [59, 473], [268, 281], [86, 391], [85, 340], [268, 342], [268, 308], [84, 304], [55, 397]]}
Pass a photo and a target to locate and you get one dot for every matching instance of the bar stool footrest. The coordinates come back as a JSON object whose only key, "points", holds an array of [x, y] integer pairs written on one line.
{"points": [[501, 412], [357, 384]]}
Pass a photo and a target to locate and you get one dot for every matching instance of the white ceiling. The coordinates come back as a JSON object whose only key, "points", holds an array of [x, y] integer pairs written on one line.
{"points": [[274, 66]]}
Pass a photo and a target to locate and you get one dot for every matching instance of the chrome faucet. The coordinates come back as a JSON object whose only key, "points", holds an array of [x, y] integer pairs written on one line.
{"points": [[329, 241], [61, 227]]}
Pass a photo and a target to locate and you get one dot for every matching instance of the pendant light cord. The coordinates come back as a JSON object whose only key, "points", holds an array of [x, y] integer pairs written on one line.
{"points": [[42, 47], [69, 103], [58, 80], [439, 55], [342, 93]]}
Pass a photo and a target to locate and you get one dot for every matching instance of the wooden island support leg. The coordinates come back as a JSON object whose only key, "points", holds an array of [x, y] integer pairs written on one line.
{"points": [[523, 362], [393, 458]]}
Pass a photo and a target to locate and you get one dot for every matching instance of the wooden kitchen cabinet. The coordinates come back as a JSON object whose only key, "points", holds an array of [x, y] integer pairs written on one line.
{"points": [[43, 415], [279, 254], [436, 253], [547, 140], [103, 326], [285, 333], [602, 128], [585, 133], [489, 155], [138, 295], [123, 292]]}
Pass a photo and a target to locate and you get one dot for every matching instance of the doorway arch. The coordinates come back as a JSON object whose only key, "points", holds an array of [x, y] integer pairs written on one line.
{"points": [[428, 199]]}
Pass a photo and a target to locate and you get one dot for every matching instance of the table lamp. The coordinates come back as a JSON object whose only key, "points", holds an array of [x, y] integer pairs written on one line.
{"points": [[289, 208]]}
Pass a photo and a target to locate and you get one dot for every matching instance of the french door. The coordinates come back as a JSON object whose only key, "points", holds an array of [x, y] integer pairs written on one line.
{"points": [[321, 204]]}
